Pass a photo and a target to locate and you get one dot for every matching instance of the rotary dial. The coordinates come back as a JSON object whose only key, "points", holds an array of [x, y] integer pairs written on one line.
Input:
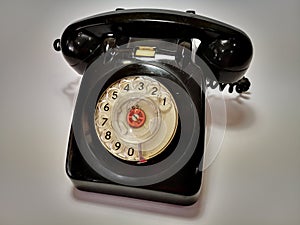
{"points": [[136, 118]]}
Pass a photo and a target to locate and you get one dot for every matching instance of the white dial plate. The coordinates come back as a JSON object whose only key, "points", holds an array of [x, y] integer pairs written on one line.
{"points": [[136, 118]]}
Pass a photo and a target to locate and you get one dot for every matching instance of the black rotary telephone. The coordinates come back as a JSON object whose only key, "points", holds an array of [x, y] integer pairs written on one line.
{"points": [[138, 127]]}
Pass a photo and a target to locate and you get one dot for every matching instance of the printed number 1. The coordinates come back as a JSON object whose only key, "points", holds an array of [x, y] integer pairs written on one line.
{"points": [[165, 99]]}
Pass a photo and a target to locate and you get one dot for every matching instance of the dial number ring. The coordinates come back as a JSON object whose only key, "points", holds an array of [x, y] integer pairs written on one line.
{"points": [[136, 118]]}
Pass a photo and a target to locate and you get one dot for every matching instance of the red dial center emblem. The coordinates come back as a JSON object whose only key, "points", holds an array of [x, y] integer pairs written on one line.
{"points": [[136, 118]]}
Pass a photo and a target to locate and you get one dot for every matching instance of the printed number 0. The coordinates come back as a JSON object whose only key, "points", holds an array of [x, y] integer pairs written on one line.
{"points": [[130, 151]]}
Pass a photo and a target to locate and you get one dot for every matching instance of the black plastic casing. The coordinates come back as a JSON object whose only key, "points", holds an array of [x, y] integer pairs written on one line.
{"points": [[183, 187], [226, 52]]}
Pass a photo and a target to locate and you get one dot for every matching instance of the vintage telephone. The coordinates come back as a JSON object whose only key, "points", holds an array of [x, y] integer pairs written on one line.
{"points": [[139, 122]]}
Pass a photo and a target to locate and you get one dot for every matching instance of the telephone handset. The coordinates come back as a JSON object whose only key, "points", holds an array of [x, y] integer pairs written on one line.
{"points": [[138, 126]]}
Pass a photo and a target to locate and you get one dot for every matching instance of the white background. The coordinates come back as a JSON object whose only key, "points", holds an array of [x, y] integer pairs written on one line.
{"points": [[254, 180]]}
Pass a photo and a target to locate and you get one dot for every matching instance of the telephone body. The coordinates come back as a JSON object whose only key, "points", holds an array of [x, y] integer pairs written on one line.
{"points": [[139, 122]]}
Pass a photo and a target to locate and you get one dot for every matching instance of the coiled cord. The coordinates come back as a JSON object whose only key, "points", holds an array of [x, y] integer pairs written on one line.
{"points": [[240, 86]]}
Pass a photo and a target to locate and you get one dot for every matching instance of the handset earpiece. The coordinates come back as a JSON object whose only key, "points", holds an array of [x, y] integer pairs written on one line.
{"points": [[78, 47], [227, 57]]}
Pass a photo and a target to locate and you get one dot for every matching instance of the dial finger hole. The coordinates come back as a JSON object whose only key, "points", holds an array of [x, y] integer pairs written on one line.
{"points": [[140, 84], [165, 102], [112, 94], [154, 90], [131, 153], [104, 106], [102, 120], [125, 86], [107, 136]]}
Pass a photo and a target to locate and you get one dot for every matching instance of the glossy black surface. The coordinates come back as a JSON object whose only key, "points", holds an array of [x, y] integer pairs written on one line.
{"points": [[225, 49], [174, 177], [102, 48]]}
